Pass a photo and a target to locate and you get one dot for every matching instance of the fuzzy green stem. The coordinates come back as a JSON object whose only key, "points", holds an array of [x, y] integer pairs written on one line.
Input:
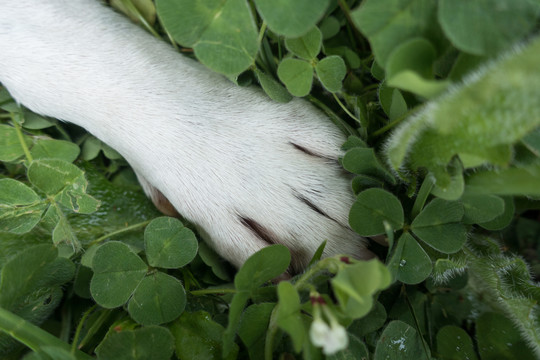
{"points": [[79, 328], [120, 231], [95, 327], [345, 108], [271, 334], [33, 336], [212, 291], [20, 135]]}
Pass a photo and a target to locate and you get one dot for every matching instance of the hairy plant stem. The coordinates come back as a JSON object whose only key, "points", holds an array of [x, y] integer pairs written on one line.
{"points": [[345, 108], [120, 231], [79, 328], [33, 336], [20, 135]]}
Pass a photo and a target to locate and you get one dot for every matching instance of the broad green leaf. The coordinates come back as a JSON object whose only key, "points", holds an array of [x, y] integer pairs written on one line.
{"points": [[197, 336], [263, 266], [91, 148], [372, 208], [307, 46], [32, 271], [253, 328], [510, 181], [354, 292], [363, 182], [373, 321], [159, 298], [222, 33], [34, 121], [64, 180], [485, 27], [481, 208], [389, 23], [329, 27], [117, 273], [392, 101], [331, 71], [214, 261], [499, 339], [410, 81], [109, 152], [532, 141], [63, 233], [414, 264], [272, 88], [503, 220], [497, 107], [10, 146], [400, 341], [291, 18], [53, 176], [297, 75], [20, 207], [149, 342], [351, 58], [169, 244], [416, 55], [454, 343], [439, 226], [364, 161], [288, 316], [55, 149]]}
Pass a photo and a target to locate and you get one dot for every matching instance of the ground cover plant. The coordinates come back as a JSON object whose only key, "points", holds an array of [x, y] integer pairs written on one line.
{"points": [[440, 103]]}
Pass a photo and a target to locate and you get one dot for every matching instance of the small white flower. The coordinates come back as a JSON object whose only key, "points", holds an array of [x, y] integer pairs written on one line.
{"points": [[332, 339]]}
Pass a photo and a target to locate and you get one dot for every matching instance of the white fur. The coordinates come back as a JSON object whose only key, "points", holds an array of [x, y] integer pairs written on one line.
{"points": [[215, 150]]}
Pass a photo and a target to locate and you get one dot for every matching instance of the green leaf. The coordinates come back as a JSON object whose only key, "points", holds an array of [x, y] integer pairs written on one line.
{"points": [[34, 121], [117, 273], [329, 27], [356, 350], [400, 341], [416, 55], [331, 71], [63, 233], [372, 208], [414, 264], [55, 149], [291, 18], [439, 226], [197, 336], [10, 146], [499, 339], [64, 180], [288, 316], [297, 75], [503, 220], [364, 161], [263, 266], [355, 293], [373, 321], [389, 23], [510, 181], [484, 27], [159, 298], [392, 101], [272, 88], [481, 208], [149, 342], [307, 46], [53, 176], [236, 307], [454, 343], [253, 328], [222, 33], [532, 141], [91, 148], [169, 244], [216, 263], [20, 207]]}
